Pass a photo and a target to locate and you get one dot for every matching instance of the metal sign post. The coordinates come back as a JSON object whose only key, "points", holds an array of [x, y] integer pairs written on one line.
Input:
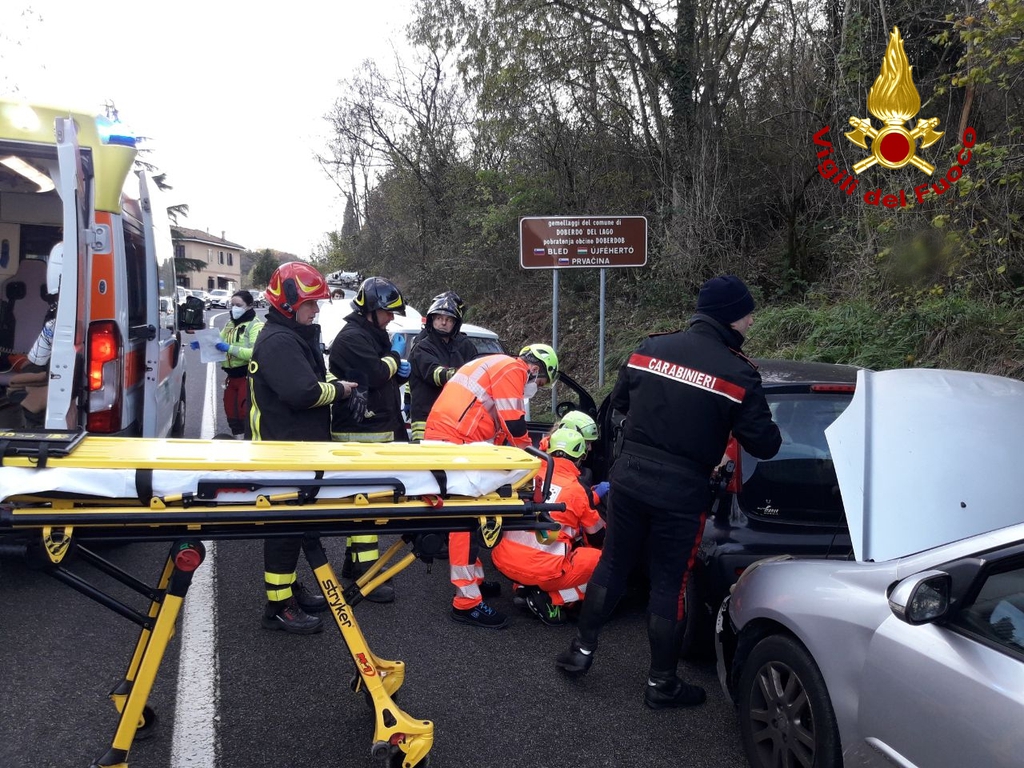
{"points": [[581, 242]]}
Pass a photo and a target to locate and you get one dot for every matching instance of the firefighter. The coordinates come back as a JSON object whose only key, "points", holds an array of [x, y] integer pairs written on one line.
{"points": [[238, 336], [438, 352], [552, 569], [682, 393], [485, 401], [362, 351], [291, 398]]}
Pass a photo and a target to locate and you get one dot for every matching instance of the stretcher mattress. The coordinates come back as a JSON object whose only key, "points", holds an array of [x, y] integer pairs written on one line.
{"points": [[112, 468]]}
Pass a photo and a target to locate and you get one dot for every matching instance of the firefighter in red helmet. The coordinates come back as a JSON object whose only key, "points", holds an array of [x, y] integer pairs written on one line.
{"points": [[291, 396]]}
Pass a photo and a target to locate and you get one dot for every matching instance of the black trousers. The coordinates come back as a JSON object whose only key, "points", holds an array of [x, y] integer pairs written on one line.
{"points": [[668, 535]]}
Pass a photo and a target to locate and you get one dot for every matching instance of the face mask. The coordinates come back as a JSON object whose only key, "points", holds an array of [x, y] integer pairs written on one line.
{"points": [[237, 312], [530, 390]]}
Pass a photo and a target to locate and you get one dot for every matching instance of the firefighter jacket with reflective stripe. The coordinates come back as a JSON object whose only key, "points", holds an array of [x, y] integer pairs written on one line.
{"points": [[483, 402], [361, 352], [434, 361], [241, 337], [683, 393], [291, 399], [528, 553]]}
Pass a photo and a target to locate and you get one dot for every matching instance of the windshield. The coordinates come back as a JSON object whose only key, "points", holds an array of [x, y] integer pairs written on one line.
{"points": [[799, 484]]}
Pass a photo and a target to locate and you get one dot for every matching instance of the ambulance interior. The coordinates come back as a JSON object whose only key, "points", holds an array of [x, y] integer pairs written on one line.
{"points": [[30, 225]]}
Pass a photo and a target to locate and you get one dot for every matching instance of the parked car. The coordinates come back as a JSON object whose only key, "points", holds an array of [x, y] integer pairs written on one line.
{"points": [[912, 652], [219, 298], [259, 299]]}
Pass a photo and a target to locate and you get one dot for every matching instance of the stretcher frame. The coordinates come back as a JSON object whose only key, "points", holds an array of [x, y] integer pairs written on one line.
{"points": [[52, 532]]}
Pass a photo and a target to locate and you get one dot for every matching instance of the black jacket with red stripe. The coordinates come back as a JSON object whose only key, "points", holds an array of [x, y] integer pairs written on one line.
{"points": [[684, 393]]}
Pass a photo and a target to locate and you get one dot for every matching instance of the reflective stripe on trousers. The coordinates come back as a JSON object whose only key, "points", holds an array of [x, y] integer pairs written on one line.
{"points": [[466, 577]]}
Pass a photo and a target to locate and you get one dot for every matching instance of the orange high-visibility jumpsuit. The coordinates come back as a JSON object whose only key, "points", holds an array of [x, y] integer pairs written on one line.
{"points": [[483, 402], [556, 567]]}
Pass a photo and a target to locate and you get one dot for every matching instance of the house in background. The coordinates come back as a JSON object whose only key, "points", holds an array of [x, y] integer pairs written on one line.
{"points": [[223, 259]]}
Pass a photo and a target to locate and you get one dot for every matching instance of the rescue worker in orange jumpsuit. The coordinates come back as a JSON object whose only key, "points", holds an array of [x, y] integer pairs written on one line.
{"points": [[485, 401], [553, 571]]}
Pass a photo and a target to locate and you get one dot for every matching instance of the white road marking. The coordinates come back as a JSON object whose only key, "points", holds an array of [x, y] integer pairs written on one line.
{"points": [[194, 741]]}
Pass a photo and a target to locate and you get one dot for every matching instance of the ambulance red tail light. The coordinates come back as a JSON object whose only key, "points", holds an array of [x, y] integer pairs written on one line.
{"points": [[105, 366]]}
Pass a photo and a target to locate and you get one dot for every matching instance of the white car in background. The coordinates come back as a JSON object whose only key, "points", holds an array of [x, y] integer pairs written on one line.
{"points": [[332, 318]]}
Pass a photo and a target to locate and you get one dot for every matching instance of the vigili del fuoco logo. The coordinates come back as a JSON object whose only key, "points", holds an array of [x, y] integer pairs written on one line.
{"points": [[894, 101]]}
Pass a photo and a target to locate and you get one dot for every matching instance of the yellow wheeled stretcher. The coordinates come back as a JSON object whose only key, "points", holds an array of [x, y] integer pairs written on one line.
{"points": [[59, 491]]}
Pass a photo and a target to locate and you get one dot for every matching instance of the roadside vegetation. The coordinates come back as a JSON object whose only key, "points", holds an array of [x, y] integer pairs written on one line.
{"points": [[700, 116]]}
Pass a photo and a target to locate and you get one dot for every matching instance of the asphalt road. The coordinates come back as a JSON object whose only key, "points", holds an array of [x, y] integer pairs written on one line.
{"points": [[278, 700]]}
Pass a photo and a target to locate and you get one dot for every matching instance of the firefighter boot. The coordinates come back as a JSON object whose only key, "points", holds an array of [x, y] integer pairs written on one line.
{"points": [[664, 689], [597, 607], [360, 555], [308, 600], [286, 615]]}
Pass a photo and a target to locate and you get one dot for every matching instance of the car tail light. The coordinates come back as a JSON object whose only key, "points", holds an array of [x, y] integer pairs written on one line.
{"points": [[105, 366], [833, 388], [732, 452]]}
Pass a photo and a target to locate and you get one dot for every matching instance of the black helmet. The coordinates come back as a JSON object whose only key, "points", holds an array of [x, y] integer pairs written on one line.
{"points": [[447, 303], [378, 293]]}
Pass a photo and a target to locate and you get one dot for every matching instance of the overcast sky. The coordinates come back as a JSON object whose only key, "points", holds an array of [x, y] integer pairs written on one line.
{"points": [[231, 93]]}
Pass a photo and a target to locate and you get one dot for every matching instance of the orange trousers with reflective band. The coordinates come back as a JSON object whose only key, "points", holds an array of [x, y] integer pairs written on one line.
{"points": [[467, 577]]}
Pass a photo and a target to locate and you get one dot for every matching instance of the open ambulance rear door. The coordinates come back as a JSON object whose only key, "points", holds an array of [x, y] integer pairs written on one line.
{"points": [[164, 400], [69, 331]]}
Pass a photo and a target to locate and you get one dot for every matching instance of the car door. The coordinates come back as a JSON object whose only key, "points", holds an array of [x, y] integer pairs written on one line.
{"points": [[950, 694]]}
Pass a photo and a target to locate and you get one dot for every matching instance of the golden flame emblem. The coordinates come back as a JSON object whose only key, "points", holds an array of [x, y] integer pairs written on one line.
{"points": [[894, 100]]}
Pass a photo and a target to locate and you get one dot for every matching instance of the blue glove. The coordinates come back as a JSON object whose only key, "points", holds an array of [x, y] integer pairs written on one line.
{"points": [[404, 369], [193, 345], [398, 344], [223, 346], [601, 489]]}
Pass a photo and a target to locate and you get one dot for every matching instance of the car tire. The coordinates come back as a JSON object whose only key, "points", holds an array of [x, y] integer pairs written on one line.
{"points": [[786, 715]]}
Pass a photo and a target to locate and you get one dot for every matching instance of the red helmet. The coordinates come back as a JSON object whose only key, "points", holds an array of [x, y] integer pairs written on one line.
{"points": [[292, 284]]}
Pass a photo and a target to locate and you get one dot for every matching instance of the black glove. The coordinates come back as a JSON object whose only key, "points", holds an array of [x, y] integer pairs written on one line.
{"points": [[357, 402]]}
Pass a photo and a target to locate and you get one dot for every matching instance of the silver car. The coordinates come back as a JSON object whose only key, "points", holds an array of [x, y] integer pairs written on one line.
{"points": [[913, 653]]}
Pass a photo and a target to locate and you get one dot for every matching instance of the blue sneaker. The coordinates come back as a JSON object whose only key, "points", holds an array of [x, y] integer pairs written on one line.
{"points": [[481, 615]]}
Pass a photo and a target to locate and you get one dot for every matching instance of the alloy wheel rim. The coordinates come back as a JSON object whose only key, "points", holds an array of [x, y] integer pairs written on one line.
{"points": [[781, 723]]}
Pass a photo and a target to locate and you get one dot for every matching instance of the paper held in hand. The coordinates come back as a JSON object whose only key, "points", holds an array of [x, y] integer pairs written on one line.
{"points": [[208, 352]]}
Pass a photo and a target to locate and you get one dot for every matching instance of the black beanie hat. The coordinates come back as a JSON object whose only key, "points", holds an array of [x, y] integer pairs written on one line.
{"points": [[725, 299]]}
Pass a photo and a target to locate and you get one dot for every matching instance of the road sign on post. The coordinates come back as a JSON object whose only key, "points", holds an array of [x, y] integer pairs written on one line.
{"points": [[577, 242]]}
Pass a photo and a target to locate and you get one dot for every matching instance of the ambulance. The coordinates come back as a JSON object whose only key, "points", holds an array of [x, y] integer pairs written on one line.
{"points": [[83, 231]]}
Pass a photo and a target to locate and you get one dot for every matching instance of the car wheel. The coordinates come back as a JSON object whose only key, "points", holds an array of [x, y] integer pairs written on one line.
{"points": [[786, 716]]}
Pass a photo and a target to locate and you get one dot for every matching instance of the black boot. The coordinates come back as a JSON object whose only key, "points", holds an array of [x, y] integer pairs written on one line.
{"points": [[308, 600], [289, 617], [669, 691], [664, 689], [597, 607], [354, 570]]}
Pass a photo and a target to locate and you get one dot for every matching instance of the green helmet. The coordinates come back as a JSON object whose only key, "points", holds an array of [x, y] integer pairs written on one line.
{"points": [[582, 423], [544, 356], [568, 441]]}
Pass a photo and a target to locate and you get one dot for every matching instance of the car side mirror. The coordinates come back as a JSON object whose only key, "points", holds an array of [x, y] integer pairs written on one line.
{"points": [[190, 314], [922, 598]]}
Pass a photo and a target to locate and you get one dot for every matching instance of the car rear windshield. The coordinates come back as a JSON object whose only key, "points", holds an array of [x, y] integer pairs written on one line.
{"points": [[486, 346], [799, 484]]}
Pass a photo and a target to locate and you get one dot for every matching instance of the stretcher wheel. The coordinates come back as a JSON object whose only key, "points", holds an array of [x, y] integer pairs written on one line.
{"points": [[380, 750], [147, 724]]}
